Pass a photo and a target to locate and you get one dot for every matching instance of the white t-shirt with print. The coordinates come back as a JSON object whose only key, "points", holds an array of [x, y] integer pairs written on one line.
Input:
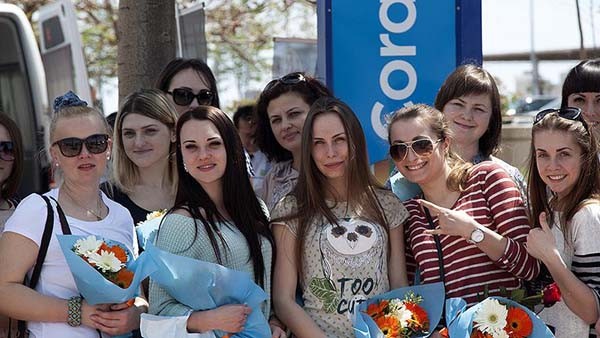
{"points": [[56, 280]]}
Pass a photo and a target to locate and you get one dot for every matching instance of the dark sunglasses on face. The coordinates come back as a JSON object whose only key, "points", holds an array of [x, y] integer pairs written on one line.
{"points": [[71, 146], [569, 113], [421, 147], [289, 79], [7, 151], [185, 96]]}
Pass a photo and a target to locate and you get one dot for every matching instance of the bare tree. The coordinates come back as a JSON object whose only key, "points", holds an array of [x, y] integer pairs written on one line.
{"points": [[147, 41]]}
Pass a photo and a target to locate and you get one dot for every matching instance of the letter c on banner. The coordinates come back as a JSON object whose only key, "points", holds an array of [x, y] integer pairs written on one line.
{"points": [[397, 27]]}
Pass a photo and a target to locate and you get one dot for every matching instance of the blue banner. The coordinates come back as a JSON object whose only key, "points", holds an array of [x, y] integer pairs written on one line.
{"points": [[383, 55]]}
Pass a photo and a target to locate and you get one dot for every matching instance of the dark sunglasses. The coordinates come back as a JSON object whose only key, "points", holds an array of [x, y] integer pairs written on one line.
{"points": [[185, 96], [289, 79], [71, 146], [569, 113], [7, 151], [422, 147]]}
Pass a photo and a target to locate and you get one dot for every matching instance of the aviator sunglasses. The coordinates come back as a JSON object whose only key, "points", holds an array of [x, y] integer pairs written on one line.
{"points": [[421, 147], [71, 146], [185, 96], [569, 113], [7, 151], [289, 79]]}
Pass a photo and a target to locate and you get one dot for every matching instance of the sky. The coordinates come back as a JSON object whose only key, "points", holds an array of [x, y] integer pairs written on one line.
{"points": [[506, 28]]}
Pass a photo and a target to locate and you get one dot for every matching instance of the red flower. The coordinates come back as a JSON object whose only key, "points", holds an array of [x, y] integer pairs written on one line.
{"points": [[551, 295], [518, 323]]}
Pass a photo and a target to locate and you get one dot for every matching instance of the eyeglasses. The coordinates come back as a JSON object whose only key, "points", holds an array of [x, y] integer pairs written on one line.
{"points": [[71, 146], [7, 151], [289, 79], [569, 113], [422, 147], [185, 96]]}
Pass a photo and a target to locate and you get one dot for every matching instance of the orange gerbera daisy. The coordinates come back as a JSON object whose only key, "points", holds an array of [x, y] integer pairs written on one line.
{"points": [[518, 323], [119, 252], [376, 310], [124, 278], [104, 247], [389, 326], [419, 319]]}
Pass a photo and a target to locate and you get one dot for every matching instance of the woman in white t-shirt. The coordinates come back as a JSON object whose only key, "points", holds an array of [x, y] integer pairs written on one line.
{"points": [[338, 233], [80, 148], [564, 160]]}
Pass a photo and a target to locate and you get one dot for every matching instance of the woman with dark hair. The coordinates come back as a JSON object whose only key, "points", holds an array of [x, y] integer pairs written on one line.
{"points": [[189, 83], [11, 166], [216, 218], [581, 89], [144, 174], [470, 101], [338, 234], [468, 227], [280, 112], [564, 160]]}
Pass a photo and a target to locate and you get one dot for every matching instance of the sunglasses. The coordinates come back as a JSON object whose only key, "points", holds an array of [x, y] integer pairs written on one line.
{"points": [[7, 151], [185, 96], [71, 146], [422, 147], [289, 79], [569, 113]]}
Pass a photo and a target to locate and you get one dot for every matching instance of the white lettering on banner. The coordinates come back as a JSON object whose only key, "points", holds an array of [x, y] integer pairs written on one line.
{"points": [[391, 49]]}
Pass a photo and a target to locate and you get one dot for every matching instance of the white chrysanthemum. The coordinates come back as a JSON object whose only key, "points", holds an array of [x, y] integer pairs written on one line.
{"points": [[87, 246], [106, 261], [491, 317], [398, 310]]}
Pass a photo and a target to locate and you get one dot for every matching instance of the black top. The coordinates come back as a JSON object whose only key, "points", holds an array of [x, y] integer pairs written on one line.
{"points": [[137, 213]]}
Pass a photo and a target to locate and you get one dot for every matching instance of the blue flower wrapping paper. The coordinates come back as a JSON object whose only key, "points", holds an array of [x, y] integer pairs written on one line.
{"points": [[433, 301], [204, 286], [92, 285], [460, 319]]}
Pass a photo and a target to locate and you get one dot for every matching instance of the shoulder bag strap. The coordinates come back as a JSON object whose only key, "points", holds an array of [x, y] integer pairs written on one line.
{"points": [[438, 246], [63, 220], [37, 268]]}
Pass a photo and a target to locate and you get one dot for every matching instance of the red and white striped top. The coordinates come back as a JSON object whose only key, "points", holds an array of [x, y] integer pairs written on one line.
{"points": [[493, 199]]}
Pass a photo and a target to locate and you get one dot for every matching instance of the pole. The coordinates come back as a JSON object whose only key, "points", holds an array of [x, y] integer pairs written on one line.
{"points": [[535, 77]]}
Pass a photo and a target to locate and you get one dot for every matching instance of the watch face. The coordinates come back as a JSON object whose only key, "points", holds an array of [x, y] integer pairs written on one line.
{"points": [[477, 236]]}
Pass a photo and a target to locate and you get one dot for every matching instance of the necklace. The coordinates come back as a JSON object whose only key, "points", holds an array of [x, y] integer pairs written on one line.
{"points": [[97, 214]]}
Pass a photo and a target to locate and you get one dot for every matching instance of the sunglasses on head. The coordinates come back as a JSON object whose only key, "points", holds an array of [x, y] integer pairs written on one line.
{"points": [[71, 146], [185, 96], [422, 147], [289, 79], [569, 113], [7, 151]]}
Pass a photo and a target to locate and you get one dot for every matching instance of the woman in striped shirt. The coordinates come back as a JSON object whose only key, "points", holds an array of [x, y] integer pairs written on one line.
{"points": [[472, 232], [565, 161]]}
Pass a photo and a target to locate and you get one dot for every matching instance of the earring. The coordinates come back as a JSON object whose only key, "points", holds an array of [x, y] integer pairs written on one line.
{"points": [[185, 168], [56, 164], [107, 156]]}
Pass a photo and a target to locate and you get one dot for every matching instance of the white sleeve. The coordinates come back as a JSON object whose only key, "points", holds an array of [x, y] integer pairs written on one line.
{"points": [[29, 219]]}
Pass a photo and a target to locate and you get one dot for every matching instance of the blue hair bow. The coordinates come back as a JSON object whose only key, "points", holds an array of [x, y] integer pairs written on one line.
{"points": [[69, 99]]}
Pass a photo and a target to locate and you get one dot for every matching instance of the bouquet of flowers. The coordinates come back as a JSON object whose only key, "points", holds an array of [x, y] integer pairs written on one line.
{"points": [[203, 286], [146, 230], [105, 272], [404, 312], [494, 317]]}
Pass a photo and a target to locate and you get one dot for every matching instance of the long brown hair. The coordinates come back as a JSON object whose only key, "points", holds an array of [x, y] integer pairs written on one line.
{"points": [[9, 187], [434, 120], [587, 187], [312, 187]]}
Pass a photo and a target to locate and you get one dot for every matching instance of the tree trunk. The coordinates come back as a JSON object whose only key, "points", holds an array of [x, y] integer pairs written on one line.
{"points": [[147, 42]]}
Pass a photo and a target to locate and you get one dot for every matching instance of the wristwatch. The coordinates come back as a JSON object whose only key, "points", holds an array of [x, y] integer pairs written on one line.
{"points": [[477, 236]]}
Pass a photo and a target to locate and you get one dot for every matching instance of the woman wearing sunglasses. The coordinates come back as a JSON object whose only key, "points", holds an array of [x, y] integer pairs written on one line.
{"points": [[338, 234], [581, 89], [216, 218], [79, 148], [564, 160], [470, 101], [144, 176], [280, 112], [189, 83], [469, 225]]}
